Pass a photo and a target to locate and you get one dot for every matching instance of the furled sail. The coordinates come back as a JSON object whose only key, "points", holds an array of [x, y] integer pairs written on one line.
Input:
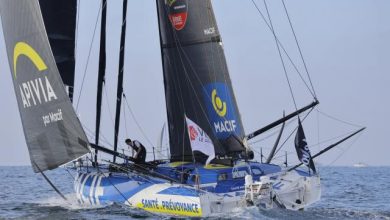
{"points": [[59, 17], [196, 78], [53, 133]]}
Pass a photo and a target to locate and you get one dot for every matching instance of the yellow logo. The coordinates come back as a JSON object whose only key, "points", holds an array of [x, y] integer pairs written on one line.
{"points": [[219, 106], [170, 2], [22, 48]]}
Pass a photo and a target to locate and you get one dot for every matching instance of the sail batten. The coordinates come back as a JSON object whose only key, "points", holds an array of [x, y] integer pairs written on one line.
{"points": [[196, 79], [53, 133]]}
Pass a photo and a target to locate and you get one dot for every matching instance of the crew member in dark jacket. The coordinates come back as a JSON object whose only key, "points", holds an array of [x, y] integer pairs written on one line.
{"points": [[140, 150]]}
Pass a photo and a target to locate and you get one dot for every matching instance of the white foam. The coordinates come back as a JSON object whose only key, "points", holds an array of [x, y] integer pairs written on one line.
{"points": [[71, 203]]}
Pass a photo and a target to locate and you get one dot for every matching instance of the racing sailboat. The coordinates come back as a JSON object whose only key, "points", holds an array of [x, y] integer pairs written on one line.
{"points": [[211, 169]]}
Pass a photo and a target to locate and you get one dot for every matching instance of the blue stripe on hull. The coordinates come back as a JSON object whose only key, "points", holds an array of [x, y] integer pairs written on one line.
{"points": [[180, 191]]}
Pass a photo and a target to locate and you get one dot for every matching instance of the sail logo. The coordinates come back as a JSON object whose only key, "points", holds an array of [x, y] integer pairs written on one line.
{"points": [[221, 111], [38, 90], [218, 104], [305, 151], [170, 2], [178, 13], [193, 133]]}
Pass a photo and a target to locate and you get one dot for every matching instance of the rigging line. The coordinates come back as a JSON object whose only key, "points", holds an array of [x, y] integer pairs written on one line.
{"points": [[273, 133], [179, 97], [280, 55], [183, 139], [299, 48], [88, 57], [179, 46], [331, 139], [108, 104], [339, 120], [109, 180], [101, 137], [347, 148], [284, 50], [77, 27], [282, 156], [48, 180], [67, 170], [318, 126], [289, 136], [136, 122], [124, 116]]}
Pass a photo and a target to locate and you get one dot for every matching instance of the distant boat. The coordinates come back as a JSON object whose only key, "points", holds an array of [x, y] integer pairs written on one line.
{"points": [[359, 165]]}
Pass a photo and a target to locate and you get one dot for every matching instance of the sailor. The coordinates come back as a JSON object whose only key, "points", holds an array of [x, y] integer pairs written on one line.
{"points": [[140, 151]]}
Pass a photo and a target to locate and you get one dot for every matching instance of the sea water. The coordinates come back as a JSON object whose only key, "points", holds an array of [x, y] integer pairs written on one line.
{"points": [[347, 193]]}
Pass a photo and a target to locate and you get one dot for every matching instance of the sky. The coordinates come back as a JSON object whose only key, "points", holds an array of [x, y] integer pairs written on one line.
{"points": [[345, 45]]}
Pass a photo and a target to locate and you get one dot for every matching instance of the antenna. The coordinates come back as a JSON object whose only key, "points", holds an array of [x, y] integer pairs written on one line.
{"points": [[285, 159], [261, 155]]}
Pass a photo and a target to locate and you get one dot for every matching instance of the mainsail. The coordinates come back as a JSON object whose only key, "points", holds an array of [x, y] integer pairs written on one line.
{"points": [[59, 17], [196, 78], [53, 133]]}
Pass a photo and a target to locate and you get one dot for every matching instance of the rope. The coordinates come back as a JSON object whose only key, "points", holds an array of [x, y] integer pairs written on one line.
{"points": [[136, 122], [280, 55], [67, 170], [347, 148], [48, 180], [299, 48], [77, 27], [124, 117], [108, 105], [289, 136], [108, 178], [88, 58], [273, 133], [284, 50], [339, 120]]}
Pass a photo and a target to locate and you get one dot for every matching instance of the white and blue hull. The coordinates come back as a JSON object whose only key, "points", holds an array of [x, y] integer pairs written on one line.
{"points": [[294, 190]]}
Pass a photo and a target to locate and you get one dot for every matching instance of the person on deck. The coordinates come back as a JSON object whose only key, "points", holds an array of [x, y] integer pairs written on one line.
{"points": [[140, 150]]}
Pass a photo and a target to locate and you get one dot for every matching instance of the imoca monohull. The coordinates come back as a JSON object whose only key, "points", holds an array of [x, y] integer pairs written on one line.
{"points": [[210, 168]]}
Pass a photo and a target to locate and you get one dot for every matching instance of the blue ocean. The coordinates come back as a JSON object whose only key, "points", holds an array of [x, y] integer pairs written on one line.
{"points": [[347, 193]]}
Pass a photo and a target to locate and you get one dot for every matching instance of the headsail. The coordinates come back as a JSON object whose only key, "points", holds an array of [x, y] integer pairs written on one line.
{"points": [[197, 82], [53, 133], [59, 17]]}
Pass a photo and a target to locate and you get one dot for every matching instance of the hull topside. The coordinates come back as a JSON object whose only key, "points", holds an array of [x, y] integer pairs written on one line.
{"points": [[217, 189]]}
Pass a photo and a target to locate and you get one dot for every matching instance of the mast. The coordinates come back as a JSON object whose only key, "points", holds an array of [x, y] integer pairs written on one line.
{"points": [[102, 72], [120, 77]]}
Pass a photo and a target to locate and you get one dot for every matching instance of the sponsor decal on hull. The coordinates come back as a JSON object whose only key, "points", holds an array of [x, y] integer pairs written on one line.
{"points": [[174, 206], [156, 199]]}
